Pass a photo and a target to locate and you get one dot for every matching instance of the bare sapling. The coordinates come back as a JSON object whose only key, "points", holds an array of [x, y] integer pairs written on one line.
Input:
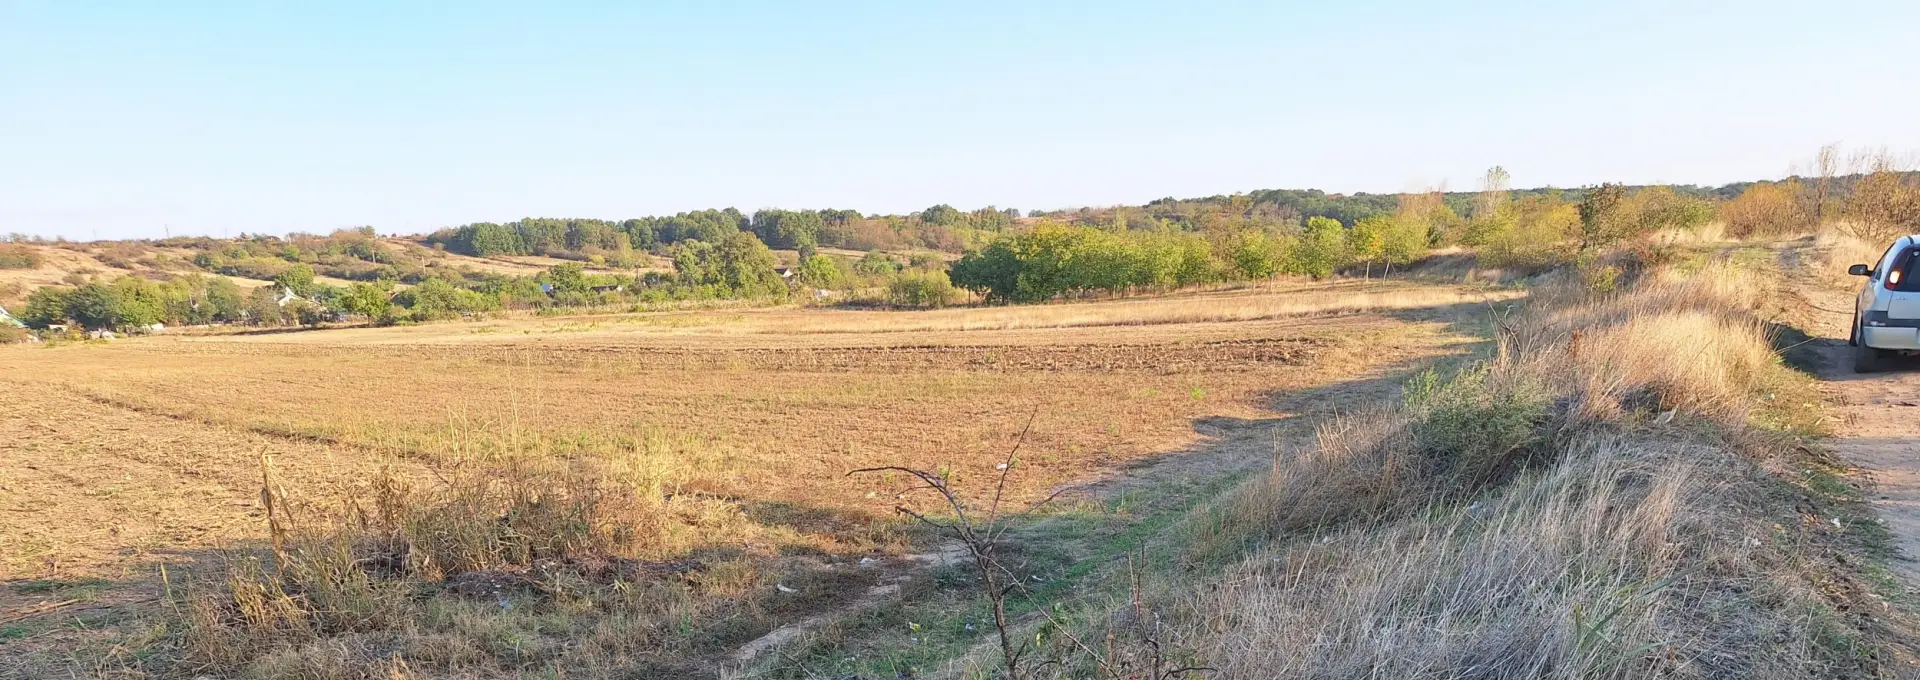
{"points": [[983, 533]]}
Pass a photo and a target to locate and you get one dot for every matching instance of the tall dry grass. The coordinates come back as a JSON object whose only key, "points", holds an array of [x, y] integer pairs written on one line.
{"points": [[509, 567], [1586, 503], [1571, 571], [1840, 249]]}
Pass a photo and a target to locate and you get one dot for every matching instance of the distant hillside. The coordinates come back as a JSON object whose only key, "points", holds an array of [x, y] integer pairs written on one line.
{"points": [[1301, 204]]}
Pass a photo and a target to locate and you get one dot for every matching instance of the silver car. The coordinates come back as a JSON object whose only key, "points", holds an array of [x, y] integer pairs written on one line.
{"points": [[1886, 317]]}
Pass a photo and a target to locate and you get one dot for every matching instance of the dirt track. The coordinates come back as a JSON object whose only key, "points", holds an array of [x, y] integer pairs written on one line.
{"points": [[1880, 413], [1881, 434]]}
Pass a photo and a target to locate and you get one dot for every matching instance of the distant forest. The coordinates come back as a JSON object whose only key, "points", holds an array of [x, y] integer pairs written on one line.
{"points": [[727, 254], [945, 228]]}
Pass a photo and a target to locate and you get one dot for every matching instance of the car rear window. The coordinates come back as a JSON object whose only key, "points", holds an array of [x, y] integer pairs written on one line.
{"points": [[1907, 266]]}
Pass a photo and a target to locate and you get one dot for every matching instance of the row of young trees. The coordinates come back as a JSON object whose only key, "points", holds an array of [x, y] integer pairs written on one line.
{"points": [[1055, 259], [1177, 243], [941, 227]]}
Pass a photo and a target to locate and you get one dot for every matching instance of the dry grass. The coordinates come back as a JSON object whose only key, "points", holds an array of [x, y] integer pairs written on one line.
{"points": [[1840, 250], [636, 490], [1575, 571], [1591, 502], [1259, 303], [1184, 313]]}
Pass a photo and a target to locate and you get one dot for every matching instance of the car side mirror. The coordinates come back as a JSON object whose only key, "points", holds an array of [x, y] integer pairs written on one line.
{"points": [[1859, 270]]}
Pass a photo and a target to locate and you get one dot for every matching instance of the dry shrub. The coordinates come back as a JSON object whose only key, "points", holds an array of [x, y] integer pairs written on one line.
{"points": [[122, 255], [1449, 439], [1532, 516], [15, 256], [474, 571], [1765, 209], [1884, 205], [512, 516]]}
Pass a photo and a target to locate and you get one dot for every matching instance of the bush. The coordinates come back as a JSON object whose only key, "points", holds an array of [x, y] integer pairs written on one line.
{"points": [[435, 299], [921, 289], [12, 334], [1529, 235], [1471, 428], [18, 257], [1055, 259], [1764, 209], [1885, 204]]}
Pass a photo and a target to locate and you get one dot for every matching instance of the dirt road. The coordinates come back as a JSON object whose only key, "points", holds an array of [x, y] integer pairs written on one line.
{"points": [[1880, 412], [1881, 434]]}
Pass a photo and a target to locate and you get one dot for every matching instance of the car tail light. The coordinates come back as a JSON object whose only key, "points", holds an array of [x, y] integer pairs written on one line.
{"points": [[1897, 271]]}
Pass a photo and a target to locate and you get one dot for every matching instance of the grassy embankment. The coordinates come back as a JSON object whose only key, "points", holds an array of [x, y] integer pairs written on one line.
{"points": [[1628, 485], [1623, 490]]}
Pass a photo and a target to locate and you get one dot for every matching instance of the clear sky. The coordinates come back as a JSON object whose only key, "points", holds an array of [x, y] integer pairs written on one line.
{"points": [[124, 119]]}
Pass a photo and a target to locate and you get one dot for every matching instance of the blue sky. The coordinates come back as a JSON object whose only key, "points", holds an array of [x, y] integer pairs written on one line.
{"points": [[124, 119]]}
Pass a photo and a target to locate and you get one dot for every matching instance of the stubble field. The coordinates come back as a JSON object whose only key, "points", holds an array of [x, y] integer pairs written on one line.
{"points": [[117, 458]]}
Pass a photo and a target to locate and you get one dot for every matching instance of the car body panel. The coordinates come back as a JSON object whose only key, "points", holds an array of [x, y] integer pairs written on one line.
{"points": [[1890, 319], [1902, 305], [1891, 338]]}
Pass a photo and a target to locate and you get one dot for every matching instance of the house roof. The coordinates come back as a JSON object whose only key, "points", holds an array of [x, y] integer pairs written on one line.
{"points": [[8, 320]]}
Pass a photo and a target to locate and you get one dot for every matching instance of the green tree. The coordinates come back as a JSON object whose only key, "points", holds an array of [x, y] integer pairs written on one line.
{"points": [[943, 215], [98, 306], [1602, 221], [488, 239], [1322, 249], [1405, 240], [820, 271], [224, 298], [141, 302], [745, 266], [876, 263], [371, 300], [1367, 240], [693, 263], [787, 228], [993, 271], [568, 277], [1255, 255], [47, 306], [297, 278]]}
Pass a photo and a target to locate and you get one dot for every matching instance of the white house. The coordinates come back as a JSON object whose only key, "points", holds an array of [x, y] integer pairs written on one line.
{"points": [[8, 320]]}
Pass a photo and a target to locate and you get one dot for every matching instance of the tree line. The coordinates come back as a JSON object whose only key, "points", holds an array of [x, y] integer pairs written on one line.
{"points": [[1056, 259], [1165, 244], [941, 227]]}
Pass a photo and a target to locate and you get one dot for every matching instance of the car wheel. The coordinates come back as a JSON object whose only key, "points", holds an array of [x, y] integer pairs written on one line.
{"points": [[1867, 359]]}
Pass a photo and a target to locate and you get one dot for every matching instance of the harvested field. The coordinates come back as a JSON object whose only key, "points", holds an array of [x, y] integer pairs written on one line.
{"points": [[126, 455]]}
